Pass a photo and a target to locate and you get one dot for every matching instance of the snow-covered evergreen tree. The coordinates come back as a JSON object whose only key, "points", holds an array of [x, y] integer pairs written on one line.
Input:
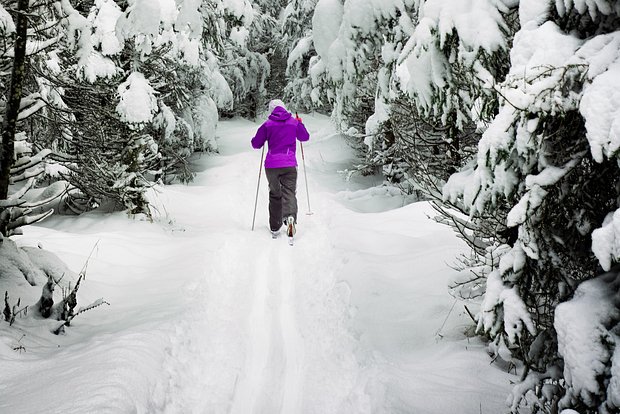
{"points": [[548, 159], [244, 59], [301, 54], [25, 160], [410, 77], [131, 75], [445, 75]]}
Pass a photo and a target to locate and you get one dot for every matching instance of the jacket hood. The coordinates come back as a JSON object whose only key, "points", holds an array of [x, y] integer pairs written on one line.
{"points": [[279, 114]]}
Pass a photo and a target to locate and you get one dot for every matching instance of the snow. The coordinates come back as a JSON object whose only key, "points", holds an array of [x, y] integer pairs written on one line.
{"points": [[585, 341], [7, 25], [205, 117], [241, 9], [533, 11], [165, 120], [302, 47], [137, 102], [325, 25], [606, 241], [600, 106], [515, 312], [536, 48], [421, 71], [363, 15], [104, 25], [478, 23], [143, 19], [239, 35], [189, 18], [592, 7], [373, 123], [79, 32], [97, 66], [207, 316]]}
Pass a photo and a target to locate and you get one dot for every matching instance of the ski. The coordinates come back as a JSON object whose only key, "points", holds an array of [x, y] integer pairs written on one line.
{"points": [[290, 241]]}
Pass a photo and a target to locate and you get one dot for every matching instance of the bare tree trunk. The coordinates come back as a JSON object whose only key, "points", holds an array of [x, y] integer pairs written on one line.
{"points": [[12, 110], [14, 98]]}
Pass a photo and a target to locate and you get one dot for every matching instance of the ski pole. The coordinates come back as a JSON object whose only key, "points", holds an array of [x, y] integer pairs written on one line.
{"points": [[303, 160], [260, 170]]}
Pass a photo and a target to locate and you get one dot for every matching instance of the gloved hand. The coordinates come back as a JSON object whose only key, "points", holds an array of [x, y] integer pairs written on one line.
{"points": [[297, 117]]}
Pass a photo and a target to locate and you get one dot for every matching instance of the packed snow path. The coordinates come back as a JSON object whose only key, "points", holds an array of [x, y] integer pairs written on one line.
{"points": [[209, 317]]}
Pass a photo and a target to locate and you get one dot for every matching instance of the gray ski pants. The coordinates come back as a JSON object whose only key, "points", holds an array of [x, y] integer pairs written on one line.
{"points": [[282, 200]]}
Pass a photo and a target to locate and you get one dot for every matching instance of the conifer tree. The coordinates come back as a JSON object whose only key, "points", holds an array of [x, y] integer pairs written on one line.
{"points": [[547, 160], [27, 33]]}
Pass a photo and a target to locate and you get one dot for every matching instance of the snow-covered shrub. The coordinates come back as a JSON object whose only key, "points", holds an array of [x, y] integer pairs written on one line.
{"points": [[45, 271]]}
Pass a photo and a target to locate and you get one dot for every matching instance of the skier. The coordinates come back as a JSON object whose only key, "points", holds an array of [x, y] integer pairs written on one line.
{"points": [[280, 132]]}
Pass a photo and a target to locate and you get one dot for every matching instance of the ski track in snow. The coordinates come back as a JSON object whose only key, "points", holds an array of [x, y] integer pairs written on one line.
{"points": [[251, 391], [267, 366], [272, 379], [293, 343], [245, 315]]}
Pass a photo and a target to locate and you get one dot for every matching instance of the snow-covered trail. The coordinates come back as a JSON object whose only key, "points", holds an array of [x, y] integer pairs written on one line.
{"points": [[284, 325], [207, 316]]}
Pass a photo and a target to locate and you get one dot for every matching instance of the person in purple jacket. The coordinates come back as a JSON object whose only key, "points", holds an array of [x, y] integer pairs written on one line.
{"points": [[281, 132]]}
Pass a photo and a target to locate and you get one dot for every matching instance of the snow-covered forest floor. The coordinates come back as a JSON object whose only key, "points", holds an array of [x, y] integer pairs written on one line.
{"points": [[206, 316]]}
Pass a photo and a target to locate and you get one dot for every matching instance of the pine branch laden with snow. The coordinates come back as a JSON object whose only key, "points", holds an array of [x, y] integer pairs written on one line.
{"points": [[548, 158], [454, 57], [349, 42], [25, 203], [24, 206]]}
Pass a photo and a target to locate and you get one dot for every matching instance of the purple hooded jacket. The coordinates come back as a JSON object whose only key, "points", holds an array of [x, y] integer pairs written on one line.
{"points": [[280, 131]]}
